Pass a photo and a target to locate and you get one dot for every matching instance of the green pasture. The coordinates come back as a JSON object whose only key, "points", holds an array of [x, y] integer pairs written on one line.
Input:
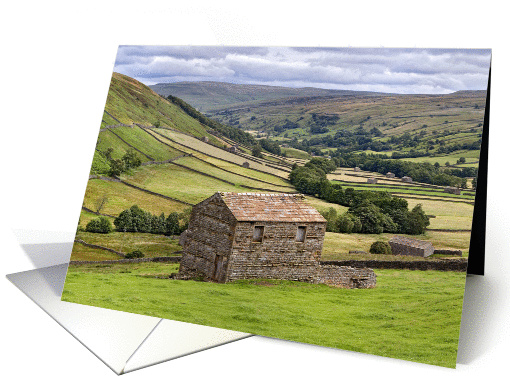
{"points": [[237, 179], [338, 245], [413, 315], [120, 197], [151, 245]]}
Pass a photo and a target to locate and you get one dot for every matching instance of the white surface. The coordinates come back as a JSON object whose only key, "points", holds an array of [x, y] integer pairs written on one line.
{"points": [[183, 338], [123, 341], [111, 335], [56, 63]]}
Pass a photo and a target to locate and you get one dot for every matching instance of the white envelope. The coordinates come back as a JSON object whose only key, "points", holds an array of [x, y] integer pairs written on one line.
{"points": [[123, 341]]}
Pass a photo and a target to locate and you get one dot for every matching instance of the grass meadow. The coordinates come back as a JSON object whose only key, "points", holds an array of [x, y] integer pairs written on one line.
{"points": [[412, 315]]}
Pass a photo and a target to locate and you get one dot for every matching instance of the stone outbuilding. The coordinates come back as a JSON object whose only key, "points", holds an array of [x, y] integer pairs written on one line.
{"points": [[390, 175], [233, 149], [371, 180], [452, 190], [407, 179], [404, 246], [246, 165], [234, 236], [357, 169]]}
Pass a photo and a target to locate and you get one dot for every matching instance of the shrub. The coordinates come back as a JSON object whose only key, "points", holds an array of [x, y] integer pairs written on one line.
{"points": [[135, 255], [99, 225], [380, 247]]}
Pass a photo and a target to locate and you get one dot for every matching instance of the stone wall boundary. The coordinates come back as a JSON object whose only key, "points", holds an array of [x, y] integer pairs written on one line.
{"points": [[159, 259], [122, 254], [456, 265]]}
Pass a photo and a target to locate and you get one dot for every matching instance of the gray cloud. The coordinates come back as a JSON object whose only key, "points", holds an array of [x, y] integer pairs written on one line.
{"points": [[371, 69]]}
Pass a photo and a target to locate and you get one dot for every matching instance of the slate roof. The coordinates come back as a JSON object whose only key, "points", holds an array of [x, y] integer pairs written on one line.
{"points": [[410, 242], [270, 207]]}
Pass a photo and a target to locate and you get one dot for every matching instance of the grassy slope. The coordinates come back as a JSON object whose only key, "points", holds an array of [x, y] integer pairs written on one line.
{"points": [[410, 314]]}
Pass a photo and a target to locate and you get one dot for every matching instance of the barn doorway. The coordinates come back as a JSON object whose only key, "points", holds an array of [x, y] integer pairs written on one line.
{"points": [[218, 266]]}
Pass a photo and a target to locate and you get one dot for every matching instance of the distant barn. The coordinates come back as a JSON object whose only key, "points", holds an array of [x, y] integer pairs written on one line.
{"points": [[246, 165], [357, 169], [390, 175], [371, 180], [452, 190], [404, 246], [233, 149], [205, 139], [407, 179]]}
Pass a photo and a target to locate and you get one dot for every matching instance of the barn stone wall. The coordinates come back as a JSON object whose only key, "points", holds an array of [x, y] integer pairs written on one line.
{"points": [[208, 241], [279, 255], [409, 250], [345, 277]]}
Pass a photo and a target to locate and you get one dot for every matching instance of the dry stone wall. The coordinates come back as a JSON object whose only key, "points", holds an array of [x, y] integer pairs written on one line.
{"points": [[345, 277]]}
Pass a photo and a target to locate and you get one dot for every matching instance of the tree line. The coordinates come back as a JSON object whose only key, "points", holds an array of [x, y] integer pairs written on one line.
{"points": [[135, 219], [369, 211]]}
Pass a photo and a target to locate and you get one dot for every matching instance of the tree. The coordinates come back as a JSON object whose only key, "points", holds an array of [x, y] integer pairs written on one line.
{"points": [[100, 203], [418, 221], [257, 151], [172, 224], [116, 167], [131, 159], [99, 225], [136, 254], [380, 247], [331, 216], [473, 183], [462, 160]]}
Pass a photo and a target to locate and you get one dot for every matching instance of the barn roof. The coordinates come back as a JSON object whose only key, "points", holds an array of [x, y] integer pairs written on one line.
{"points": [[421, 244], [270, 207]]}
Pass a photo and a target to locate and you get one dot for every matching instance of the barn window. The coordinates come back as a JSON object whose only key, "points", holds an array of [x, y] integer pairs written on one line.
{"points": [[258, 233], [301, 234]]}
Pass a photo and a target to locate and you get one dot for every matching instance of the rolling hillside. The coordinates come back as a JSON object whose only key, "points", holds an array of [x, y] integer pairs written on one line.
{"points": [[184, 161], [209, 96]]}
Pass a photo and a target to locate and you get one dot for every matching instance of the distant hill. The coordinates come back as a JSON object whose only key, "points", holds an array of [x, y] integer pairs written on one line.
{"points": [[208, 96]]}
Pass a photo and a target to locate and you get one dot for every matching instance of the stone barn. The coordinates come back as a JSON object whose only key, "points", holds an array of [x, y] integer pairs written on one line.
{"points": [[407, 179], [357, 169], [234, 236], [246, 165], [233, 149], [452, 190], [371, 180], [410, 247], [390, 175]]}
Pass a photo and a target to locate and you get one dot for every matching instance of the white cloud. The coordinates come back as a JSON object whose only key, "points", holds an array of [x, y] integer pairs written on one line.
{"points": [[383, 70]]}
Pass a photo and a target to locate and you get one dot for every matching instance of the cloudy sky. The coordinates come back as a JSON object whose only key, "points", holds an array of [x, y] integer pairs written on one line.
{"points": [[426, 71]]}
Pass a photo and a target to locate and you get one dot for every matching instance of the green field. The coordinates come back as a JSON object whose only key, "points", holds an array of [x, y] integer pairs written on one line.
{"points": [[125, 242], [412, 315]]}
